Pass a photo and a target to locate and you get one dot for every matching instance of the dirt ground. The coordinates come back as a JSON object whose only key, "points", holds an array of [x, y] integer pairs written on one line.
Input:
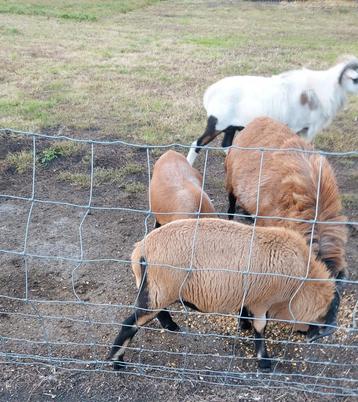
{"points": [[54, 346]]}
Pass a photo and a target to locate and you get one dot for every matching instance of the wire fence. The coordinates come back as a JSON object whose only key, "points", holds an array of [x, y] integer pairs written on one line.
{"points": [[67, 285]]}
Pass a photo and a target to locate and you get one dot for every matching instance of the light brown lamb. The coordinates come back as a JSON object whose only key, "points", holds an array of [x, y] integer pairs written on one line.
{"points": [[176, 190], [288, 188], [221, 277]]}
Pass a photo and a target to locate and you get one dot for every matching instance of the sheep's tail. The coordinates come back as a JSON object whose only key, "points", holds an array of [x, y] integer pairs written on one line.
{"points": [[139, 265], [300, 188]]}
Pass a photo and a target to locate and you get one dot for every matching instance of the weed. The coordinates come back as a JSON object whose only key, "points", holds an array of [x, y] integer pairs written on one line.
{"points": [[58, 149], [48, 155]]}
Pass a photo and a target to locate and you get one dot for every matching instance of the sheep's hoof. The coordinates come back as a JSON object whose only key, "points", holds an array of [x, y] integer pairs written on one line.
{"points": [[119, 365], [265, 365], [174, 327]]}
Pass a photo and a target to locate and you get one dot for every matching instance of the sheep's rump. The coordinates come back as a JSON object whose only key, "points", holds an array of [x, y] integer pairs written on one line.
{"points": [[202, 262], [288, 186], [176, 189]]}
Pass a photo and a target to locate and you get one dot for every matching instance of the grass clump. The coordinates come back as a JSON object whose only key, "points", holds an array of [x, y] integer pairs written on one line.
{"points": [[135, 187], [109, 176], [131, 168], [118, 177], [20, 161], [57, 150], [76, 179]]}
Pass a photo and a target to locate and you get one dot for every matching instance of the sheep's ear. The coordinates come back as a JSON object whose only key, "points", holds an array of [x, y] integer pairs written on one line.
{"points": [[319, 331], [310, 99]]}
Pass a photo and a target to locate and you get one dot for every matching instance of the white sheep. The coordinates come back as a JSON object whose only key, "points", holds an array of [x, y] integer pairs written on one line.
{"points": [[306, 100], [220, 277]]}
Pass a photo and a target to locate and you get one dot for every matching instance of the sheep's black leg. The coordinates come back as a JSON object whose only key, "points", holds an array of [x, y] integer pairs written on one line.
{"points": [[209, 134], [232, 204], [259, 325], [122, 340], [167, 322], [244, 320], [232, 210], [131, 325], [261, 352], [229, 135], [247, 218]]}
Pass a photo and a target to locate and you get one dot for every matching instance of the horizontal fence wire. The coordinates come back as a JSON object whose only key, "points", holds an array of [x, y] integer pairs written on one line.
{"points": [[326, 367]]}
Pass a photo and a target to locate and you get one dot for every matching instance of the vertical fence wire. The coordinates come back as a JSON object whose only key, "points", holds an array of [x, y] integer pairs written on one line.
{"points": [[321, 382]]}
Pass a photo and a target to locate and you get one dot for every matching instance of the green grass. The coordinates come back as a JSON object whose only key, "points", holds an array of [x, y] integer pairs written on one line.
{"points": [[9, 31], [36, 112], [80, 10], [222, 42]]}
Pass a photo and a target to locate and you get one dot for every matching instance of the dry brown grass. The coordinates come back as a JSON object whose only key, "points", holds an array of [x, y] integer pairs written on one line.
{"points": [[112, 77]]}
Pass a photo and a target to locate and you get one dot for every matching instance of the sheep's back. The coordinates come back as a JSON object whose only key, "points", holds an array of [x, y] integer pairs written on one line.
{"points": [[175, 187], [210, 256], [288, 186]]}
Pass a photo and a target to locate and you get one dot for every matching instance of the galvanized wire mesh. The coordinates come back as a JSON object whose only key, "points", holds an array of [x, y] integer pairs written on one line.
{"points": [[72, 333]]}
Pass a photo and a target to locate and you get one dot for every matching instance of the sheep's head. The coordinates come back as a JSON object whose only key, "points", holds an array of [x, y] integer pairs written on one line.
{"points": [[348, 77]]}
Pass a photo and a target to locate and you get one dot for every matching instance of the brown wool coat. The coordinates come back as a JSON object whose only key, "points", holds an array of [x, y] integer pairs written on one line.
{"points": [[221, 244], [288, 187], [177, 187]]}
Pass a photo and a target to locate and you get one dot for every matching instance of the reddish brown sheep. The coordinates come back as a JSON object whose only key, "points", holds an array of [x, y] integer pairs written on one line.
{"points": [[223, 274], [288, 188], [176, 190]]}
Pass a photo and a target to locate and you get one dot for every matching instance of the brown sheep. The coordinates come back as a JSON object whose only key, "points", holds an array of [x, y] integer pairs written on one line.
{"points": [[220, 277], [288, 188], [176, 190]]}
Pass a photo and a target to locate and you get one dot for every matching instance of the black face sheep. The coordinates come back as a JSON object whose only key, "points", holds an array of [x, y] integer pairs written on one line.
{"points": [[220, 277], [175, 190], [306, 100]]}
